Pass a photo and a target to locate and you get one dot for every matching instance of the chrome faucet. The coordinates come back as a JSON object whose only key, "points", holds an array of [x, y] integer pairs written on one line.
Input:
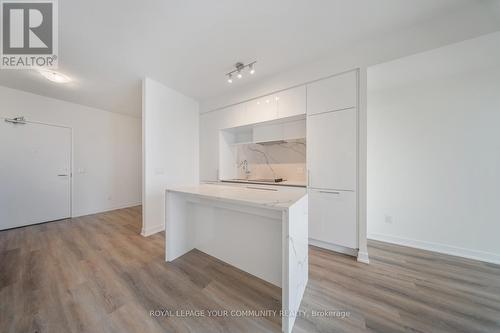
{"points": [[244, 166]]}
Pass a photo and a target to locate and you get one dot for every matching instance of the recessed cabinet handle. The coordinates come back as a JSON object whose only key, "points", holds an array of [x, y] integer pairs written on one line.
{"points": [[330, 192]]}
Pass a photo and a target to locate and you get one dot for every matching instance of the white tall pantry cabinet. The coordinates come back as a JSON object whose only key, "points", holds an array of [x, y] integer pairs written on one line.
{"points": [[332, 146]]}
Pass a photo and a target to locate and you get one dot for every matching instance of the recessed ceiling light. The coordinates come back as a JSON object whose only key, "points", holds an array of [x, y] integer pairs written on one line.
{"points": [[54, 76]]}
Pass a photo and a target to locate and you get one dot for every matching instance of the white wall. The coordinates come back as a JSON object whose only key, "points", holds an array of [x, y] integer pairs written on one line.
{"points": [[170, 146], [106, 148], [434, 150]]}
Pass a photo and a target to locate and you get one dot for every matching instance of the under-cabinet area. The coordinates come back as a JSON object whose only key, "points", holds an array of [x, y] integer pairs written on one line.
{"points": [[270, 152]]}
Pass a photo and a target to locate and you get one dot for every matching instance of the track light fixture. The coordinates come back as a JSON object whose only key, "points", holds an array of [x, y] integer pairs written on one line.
{"points": [[251, 70], [239, 67]]}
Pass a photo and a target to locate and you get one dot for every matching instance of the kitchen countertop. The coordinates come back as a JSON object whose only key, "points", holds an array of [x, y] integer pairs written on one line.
{"points": [[272, 197], [283, 183]]}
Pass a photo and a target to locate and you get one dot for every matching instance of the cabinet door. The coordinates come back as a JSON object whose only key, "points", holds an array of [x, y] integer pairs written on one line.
{"points": [[231, 116], [262, 109], [332, 149], [335, 93], [291, 102], [332, 217], [294, 129], [268, 132]]}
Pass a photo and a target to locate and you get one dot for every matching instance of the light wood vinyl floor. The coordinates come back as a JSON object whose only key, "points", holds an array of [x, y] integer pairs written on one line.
{"points": [[97, 274]]}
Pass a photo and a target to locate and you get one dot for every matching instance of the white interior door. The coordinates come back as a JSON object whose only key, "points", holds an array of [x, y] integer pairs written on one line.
{"points": [[35, 174]]}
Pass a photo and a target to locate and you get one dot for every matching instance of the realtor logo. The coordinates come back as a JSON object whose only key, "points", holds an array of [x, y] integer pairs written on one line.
{"points": [[29, 34]]}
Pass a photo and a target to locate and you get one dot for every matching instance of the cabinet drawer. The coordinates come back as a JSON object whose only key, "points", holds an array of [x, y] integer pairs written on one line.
{"points": [[335, 93], [333, 217]]}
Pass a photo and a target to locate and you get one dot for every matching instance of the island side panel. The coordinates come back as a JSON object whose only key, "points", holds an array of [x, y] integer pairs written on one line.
{"points": [[246, 237], [295, 260], [178, 233]]}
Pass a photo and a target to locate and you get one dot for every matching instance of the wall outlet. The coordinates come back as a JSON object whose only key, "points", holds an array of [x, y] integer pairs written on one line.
{"points": [[388, 219]]}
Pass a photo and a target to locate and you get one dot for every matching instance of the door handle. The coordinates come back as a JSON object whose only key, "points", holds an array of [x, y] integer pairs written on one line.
{"points": [[62, 175]]}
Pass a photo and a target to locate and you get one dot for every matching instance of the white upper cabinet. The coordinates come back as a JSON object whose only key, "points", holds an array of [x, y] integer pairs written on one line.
{"points": [[291, 102], [261, 109], [289, 130], [268, 132], [294, 129], [232, 116], [335, 93], [332, 149]]}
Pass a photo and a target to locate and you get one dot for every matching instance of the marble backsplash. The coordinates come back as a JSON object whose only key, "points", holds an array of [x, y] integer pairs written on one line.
{"points": [[285, 159]]}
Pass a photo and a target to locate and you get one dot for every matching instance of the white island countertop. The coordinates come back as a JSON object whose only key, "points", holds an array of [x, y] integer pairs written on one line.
{"points": [[264, 196]]}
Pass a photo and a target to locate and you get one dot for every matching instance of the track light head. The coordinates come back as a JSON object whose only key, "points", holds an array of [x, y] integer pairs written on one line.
{"points": [[238, 71]]}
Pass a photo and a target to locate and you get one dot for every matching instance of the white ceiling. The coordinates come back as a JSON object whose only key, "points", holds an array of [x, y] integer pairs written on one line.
{"points": [[107, 47]]}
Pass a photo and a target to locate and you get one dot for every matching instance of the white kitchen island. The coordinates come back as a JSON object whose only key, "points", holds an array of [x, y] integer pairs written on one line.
{"points": [[259, 229]]}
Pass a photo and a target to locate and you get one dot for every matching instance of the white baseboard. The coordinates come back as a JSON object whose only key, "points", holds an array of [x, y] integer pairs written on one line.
{"points": [[437, 247], [363, 257], [333, 247], [108, 209], [152, 230]]}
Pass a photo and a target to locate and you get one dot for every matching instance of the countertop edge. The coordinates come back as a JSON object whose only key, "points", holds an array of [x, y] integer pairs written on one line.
{"points": [[237, 201]]}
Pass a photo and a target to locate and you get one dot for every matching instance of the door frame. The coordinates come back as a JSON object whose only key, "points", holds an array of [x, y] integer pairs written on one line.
{"points": [[2, 118]]}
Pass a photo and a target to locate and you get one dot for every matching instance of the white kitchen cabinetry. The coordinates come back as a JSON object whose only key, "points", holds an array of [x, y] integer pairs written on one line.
{"points": [[209, 146], [332, 150], [291, 102], [266, 133], [332, 162], [288, 130], [332, 216], [335, 93], [294, 130], [232, 116], [261, 109]]}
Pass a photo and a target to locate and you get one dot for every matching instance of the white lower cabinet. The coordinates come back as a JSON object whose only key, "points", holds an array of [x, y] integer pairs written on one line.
{"points": [[332, 217]]}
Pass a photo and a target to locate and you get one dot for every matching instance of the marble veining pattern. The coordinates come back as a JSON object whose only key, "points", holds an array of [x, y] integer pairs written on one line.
{"points": [[285, 160]]}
